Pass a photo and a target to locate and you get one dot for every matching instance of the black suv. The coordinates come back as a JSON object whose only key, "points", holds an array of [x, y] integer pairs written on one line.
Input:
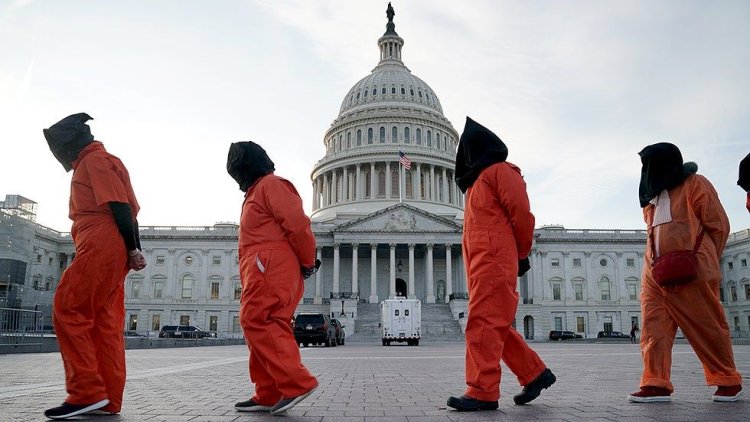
{"points": [[340, 333], [611, 334], [184, 331], [314, 329], [563, 335]]}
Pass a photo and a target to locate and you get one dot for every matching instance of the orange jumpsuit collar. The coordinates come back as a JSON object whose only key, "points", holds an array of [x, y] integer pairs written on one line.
{"points": [[94, 146]]}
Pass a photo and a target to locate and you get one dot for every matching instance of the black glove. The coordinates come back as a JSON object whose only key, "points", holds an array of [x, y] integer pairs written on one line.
{"points": [[309, 271], [523, 266]]}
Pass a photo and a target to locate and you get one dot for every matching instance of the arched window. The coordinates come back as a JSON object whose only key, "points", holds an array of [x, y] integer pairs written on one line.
{"points": [[158, 282], [359, 137], [366, 92], [382, 135], [374, 91], [604, 288], [407, 137], [440, 189], [348, 142], [418, 134], [381, 184], [369, 136], [408, 182], [403, 91], [394, 134], [429, 138], [382, 91], [339, 145], [368, 184], [393, 90], [349, 138], [187, 286], [394, 183]]}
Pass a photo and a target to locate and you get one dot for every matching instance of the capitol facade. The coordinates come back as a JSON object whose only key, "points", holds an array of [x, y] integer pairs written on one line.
{"points": [[384, 227]]}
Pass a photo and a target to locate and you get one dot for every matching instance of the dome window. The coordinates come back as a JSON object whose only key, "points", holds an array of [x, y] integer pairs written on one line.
{"points": [[365, 92], [393, 90], [418, 138], [407, 136], [348, 138], [382, 91], [429, 138], [359, 137], [427, 96], [420, 94], [374, 92], [348, 142], [358, 95], [382, 134], [403, 91], [411, 91], [394, 134], [369, 136]]}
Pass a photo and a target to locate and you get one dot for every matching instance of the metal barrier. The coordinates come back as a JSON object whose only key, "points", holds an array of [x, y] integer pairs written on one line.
{"points": [[20, 327]]}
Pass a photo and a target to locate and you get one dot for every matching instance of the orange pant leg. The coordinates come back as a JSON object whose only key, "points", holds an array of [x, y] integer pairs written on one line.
{"points": [[110, 343], [657, 338], [268, 303], [521, 359]]}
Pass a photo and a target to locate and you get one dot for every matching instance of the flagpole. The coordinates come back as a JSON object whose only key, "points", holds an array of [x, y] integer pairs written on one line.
{"points": [[400, 180]]}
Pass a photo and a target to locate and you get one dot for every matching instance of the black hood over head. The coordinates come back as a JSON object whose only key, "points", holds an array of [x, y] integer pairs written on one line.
{"points": [[68, 137], [478, 149], [662, 169], [247, 162], [744, 179]]}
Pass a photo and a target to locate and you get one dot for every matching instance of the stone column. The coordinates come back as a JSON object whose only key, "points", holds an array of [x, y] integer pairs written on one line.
{"points": [[411, 294], [373, 273], [445, 186], [315, 195], [569, 295], [336, 267], [345, 185], [432, 182], [418, 182], [392, 281], [388, 180], [620, 281], [591, 285], [334, 190], [373, 182], [318, 299], [325, 189], [430, 298], [358, 184], [448, 273], [355, 281]]}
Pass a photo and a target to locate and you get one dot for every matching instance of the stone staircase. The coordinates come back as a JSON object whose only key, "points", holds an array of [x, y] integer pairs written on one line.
{"points": [[438, 324]]}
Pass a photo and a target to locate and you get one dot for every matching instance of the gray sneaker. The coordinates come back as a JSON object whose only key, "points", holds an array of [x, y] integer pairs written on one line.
{"points": [[251, 406], [285, 404]]}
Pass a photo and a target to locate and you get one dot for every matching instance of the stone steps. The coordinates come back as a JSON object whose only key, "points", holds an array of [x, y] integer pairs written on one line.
{"points": [[437, 324]]}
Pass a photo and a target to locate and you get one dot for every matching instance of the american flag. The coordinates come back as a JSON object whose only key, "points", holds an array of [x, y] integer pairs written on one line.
{"points": [[404, 160]]}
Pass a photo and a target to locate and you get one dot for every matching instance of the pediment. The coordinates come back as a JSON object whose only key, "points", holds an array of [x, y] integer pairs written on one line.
{"points": [[400, 218]]}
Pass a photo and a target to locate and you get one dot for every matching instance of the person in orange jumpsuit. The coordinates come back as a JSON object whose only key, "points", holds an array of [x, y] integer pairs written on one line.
{"points": [[744, 179], [497, 236], [88, 309], [277, 249], [678, 205]]}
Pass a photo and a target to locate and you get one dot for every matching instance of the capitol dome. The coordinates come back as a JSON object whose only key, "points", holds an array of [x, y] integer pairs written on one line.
{"points": [[389, 111]]}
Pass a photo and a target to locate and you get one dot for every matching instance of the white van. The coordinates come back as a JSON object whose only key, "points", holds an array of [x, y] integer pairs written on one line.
{"points": [[400, 321]]}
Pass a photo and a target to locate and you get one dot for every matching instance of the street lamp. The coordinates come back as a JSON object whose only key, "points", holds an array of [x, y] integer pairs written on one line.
{"points": [[400, 266], [342, 309]]}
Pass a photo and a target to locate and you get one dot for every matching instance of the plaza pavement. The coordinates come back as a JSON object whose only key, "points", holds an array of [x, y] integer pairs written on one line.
{"points": [[360, 382]]}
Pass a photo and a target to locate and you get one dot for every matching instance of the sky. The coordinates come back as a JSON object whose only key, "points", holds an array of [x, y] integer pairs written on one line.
{"points": [[574, 88]]}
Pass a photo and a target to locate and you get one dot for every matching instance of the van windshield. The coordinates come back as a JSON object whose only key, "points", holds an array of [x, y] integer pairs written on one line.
{"points": [[309, 319]]}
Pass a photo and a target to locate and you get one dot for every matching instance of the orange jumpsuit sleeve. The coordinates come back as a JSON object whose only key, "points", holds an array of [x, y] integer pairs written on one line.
{"points": [[511, 190], [107, 182], [286, 207], [707, 207]]}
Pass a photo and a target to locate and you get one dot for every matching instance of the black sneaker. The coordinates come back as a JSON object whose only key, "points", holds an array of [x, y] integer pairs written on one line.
{"points": [[534, 388], [67, 410], [468, 404], [285, 404], [251, 406]]}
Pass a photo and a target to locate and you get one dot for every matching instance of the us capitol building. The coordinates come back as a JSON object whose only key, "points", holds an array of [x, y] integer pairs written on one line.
{"points": [[382, 231]]}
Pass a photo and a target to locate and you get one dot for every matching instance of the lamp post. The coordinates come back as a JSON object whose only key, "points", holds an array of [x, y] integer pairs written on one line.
{"points": [[342, 308]]}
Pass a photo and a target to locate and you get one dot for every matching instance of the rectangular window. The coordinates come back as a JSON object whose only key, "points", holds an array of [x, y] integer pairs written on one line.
{"points": [[38, 258], [580, 324], [608, 324], [136, 290], [237, 291], [159, 259], [747, 291], [214, 290], [236, 324], [633, 291], [555, 262], [733, 292], [736, 323], [556, 291], [576, 262], [133, 322], [213, 323], [51, 261], [604, 289], [558, 323], [155, 322], [158, 289], [630, 262], [187, 289], [730, 265], [743, 263], [721, 293], [184, 319], [579, 291], [48, 286], [633, 321], [216, 260]]}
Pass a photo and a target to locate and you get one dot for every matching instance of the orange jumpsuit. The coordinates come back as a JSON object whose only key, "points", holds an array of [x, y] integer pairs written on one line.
{"points": [[694, 307], [89, 309], [498, 230], [275, 241]]}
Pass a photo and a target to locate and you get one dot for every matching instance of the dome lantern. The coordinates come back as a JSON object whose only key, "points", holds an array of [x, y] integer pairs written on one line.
{"points": [[390, 43]]}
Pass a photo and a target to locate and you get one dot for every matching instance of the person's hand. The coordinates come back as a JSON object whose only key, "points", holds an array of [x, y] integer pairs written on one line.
{"points": [[523, 266], [136, 260], [307, 272]]}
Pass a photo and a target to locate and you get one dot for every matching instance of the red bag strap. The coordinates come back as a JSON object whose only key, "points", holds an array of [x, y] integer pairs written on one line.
{"points": [[697, 246], [698, 241]]}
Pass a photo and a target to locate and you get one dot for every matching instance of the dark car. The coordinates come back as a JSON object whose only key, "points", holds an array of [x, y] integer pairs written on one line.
{"points": [[184, 331], [612, 334], [134, 334], [563, 335], [340, 333], [314, 329]]}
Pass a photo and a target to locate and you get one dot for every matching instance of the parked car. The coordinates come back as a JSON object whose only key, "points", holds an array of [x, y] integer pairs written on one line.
{"points": [[184, 331], [612, 334], [134, 334], [314, 329], [563, 335], [340, 333]]}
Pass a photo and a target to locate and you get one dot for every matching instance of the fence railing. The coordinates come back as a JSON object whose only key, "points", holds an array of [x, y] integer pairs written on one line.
{"points": [[20, 327]]}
